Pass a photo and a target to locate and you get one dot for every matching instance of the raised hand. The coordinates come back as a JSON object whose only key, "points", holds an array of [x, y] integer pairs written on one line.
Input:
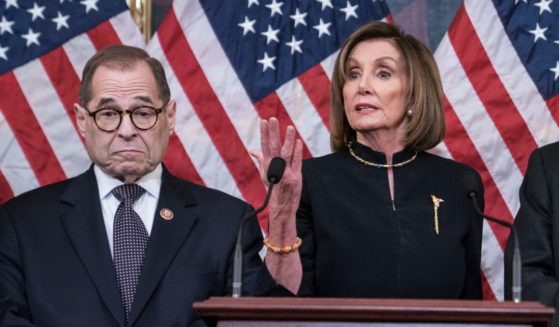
{"points": [[284, 201], [286, 195]]}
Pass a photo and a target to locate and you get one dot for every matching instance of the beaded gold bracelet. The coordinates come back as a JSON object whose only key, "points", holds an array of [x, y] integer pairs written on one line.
{"points": [[283, 250]]}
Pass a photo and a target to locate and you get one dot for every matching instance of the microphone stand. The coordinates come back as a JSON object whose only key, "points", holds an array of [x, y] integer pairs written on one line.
{"points": [[238, 258], [516, 258], [274, 175]]}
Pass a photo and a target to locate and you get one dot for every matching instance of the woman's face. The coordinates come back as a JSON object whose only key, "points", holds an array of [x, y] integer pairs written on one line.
{"points": [[374, 91]]}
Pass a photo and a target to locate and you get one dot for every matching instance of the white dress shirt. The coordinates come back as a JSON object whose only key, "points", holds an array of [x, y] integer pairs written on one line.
{"points": [[145, 206]]}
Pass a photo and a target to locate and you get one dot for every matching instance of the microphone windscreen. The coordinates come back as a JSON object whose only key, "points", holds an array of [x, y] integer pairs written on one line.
{"points": [[275, 170], [470, 184]]}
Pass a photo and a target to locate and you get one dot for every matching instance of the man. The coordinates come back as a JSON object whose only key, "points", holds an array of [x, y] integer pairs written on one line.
{"points": [[126, 243], [537, 224]]}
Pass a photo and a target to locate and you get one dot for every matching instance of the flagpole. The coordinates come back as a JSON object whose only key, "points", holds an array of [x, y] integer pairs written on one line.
{"points": [[141, 11]]}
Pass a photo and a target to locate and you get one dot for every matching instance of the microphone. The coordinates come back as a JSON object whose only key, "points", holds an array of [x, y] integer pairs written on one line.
{"points": [[274, 175], [469, 181]]}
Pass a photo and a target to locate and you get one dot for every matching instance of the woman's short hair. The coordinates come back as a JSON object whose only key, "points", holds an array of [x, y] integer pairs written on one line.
{"points": [[125, 58], [426, 126]]}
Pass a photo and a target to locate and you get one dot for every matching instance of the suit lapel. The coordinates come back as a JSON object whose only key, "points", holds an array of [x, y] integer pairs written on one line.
{"points": [[167, 237], [85, 228]]}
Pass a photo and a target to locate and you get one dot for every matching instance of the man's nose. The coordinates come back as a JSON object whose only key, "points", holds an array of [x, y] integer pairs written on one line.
{"points": [[127, 128]]}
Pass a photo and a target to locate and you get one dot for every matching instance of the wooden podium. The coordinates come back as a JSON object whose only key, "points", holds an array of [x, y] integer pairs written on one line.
{"points": [[344, 312]]}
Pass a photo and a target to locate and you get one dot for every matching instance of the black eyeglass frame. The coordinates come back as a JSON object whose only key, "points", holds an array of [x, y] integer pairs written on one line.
{"points": [[121, 113]]}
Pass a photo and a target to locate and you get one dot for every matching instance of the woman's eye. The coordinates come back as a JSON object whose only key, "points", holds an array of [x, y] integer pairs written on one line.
{"points": [[353, 75], [384, 74]]}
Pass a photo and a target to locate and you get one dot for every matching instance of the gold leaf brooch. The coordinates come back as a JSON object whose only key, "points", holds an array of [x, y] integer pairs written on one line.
{"points": [[436, 204]]}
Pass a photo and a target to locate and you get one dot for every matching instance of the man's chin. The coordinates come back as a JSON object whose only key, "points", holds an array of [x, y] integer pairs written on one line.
{"points": [[130, 173]]}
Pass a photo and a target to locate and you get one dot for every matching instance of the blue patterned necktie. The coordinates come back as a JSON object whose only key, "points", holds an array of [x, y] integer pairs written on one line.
{"points": [[130, 241]]}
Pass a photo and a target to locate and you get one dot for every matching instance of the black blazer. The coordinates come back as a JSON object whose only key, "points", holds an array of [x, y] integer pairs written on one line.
{"points": [[358, 243], [56, 268], [537, 223]]}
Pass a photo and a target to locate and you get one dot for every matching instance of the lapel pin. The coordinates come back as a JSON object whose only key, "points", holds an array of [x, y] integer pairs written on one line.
{"points": [[166, 214]]}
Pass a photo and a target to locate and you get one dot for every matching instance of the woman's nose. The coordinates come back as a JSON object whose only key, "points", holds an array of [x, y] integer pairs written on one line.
{"points": [[365, 86]]}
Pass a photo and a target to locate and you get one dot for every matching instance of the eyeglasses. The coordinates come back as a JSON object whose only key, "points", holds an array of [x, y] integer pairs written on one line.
{"points": [[109, 119]]}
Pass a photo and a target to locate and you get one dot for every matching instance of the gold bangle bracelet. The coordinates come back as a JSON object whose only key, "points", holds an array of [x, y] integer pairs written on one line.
{"points": [[285, 249]]}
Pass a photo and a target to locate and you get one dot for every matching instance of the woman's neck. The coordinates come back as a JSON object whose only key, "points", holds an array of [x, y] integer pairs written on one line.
{"points": [[387, 142]]}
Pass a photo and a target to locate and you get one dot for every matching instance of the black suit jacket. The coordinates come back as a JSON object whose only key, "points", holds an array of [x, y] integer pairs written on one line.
{"points": [[56, 268], [537, 223]]}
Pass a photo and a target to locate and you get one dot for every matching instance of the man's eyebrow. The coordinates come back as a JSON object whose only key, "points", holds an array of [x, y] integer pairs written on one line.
{"points": [[112, 101], [105, 101], [144, 98]]}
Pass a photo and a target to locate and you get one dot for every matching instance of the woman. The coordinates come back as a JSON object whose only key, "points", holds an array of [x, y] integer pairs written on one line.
{"points": [[379, 217]]}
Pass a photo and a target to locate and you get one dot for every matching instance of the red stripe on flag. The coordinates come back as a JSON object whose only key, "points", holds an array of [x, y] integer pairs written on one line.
{"points": [[28, 132], [179, 163], [486, 289], [490, 89], [5, 189], [553, 105], [64, 79], [103, 35], [209, 109], [271, 106], [317, 86], [463, 150]]}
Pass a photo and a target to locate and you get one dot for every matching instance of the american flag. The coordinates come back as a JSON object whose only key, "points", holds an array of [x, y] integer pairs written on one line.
{"points": [[499, 63], [231, 63]]}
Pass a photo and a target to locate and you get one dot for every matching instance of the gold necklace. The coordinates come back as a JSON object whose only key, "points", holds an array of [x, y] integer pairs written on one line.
{"points": [[377, 165]]}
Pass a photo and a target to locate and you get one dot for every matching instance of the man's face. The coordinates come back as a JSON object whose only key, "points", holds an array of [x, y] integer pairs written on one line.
{"points": [[127, 153]]}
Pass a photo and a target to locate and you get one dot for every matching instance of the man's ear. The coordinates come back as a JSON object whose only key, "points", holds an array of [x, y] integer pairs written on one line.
{"points": [[80, 118], [171, 115]]}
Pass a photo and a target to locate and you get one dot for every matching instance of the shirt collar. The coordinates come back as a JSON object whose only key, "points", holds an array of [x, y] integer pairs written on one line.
{"points": [[150, 182]]}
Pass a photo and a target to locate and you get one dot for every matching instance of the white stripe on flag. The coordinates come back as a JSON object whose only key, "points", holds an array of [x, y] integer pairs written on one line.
{"points": [[492, 261], [328, 64], [52, 118], [126, 29], [478, 125], [441, 150], [79, 50], [13, 162]]}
